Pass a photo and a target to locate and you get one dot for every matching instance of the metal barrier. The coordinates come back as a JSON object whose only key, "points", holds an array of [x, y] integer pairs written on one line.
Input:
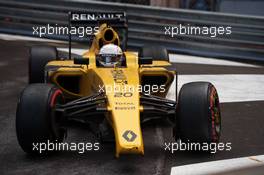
{"points": [[146, 26]]}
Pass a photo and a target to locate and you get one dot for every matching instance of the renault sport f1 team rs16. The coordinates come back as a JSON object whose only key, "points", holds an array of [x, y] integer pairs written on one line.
{"points": [[62, 90]]}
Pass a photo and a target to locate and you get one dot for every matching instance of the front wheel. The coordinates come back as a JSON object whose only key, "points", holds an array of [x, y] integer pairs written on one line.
{"points": [[36, 121], [198, 113]]}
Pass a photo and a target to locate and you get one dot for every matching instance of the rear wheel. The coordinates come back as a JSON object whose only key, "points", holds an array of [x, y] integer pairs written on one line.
{"points": [[198, 113], [36, 121], [155, 52], [38, 58]]}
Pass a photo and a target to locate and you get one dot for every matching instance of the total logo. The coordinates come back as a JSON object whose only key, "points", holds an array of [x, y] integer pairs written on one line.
{"points": [[129, 135]]}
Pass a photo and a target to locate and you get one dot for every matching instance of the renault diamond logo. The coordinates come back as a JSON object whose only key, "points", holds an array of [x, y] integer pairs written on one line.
{"points": [[129, 135]]}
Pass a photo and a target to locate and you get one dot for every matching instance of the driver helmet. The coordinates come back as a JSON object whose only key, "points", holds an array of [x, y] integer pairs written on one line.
{"points": [[110, 55]]}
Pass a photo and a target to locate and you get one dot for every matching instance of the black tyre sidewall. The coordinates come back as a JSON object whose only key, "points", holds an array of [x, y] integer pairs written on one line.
{"points": [[34, 123], [194, 120]]}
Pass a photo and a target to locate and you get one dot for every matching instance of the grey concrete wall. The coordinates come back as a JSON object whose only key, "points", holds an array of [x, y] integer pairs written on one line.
{"points": [[251, 7], [165, 3]]}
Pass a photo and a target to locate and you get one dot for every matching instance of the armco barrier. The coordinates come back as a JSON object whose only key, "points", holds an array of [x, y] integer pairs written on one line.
{"points": [[146, 26]]}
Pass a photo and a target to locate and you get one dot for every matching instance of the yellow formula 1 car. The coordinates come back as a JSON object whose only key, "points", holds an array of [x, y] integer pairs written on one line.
{"points": [[115, 90]]}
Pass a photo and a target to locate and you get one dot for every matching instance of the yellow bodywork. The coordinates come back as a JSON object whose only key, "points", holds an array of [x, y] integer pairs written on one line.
{"points": [[123, 106]]}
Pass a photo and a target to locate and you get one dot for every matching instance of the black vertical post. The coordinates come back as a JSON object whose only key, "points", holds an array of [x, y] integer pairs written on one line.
{"points": [[69, 34], [176, 93]]}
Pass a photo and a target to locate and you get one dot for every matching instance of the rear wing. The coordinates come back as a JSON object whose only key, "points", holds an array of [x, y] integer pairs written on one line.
{"points": [[115, 19], [93, 20]]}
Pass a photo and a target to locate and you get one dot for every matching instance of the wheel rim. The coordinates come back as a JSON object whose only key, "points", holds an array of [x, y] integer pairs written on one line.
{"points": [[215, 115], [58, 130]]}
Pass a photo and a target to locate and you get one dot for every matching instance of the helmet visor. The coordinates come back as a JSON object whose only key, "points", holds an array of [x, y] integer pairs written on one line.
{"points": [[109, 58]]}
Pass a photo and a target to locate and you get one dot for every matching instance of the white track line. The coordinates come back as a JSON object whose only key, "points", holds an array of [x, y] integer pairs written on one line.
{"points": [[178, 58], [74, 51], [220, 166], [230, 87], [9, 37]]}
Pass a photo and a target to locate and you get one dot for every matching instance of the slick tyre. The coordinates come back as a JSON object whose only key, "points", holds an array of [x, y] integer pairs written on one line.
{"points": [[155, 52], [39, 56], [36, 121], [198, 113]]}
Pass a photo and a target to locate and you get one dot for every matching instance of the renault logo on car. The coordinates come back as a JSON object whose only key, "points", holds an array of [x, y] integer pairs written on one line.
{"points": [[129, 135]]}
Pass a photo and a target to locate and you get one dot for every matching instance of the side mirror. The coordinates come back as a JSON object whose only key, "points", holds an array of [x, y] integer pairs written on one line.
{"points": [[145, 60], [81, 60]]}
